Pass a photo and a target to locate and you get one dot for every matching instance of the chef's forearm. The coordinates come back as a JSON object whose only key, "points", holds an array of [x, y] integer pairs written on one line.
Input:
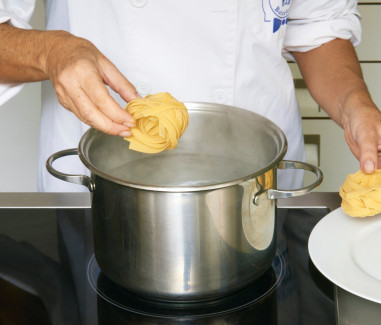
{"points": [[23, 54], [334, 78]]}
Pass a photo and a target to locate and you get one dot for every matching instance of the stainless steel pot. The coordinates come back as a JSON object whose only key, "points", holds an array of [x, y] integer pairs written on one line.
{"points": [[193, 223]]}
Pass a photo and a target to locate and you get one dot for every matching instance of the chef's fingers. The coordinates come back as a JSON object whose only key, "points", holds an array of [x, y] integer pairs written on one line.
{"points": [[368, 138], [100, 97], [79, 74], [115, 79], [362, 132], [368, 155], [80, 104]]}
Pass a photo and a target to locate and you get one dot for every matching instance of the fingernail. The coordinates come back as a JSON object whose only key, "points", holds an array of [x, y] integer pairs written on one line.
{"points": [[369, 167], [129, 124], [125, 134]]}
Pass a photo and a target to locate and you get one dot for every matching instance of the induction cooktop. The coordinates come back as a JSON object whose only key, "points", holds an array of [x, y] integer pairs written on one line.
{"points": [[49, 275]]}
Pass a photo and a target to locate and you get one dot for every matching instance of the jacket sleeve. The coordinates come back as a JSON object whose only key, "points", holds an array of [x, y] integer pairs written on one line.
{"points": [[312, 23], [16, 13]]}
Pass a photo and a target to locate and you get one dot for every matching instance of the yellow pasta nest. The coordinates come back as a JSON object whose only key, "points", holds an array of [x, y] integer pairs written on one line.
{"points": [[160, 122], [361, 194]]}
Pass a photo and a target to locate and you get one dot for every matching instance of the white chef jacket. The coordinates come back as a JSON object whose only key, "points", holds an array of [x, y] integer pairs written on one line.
{"points": [[223, 51]]}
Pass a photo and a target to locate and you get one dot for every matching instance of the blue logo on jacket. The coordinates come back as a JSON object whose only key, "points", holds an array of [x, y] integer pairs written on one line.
{"points": [[276, 11]]}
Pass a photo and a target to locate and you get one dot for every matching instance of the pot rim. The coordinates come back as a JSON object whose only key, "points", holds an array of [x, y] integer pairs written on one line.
{"points": [[209, 187]]}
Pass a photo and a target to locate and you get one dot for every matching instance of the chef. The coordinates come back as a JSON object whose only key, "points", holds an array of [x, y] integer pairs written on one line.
{"points": [[98, 55]]}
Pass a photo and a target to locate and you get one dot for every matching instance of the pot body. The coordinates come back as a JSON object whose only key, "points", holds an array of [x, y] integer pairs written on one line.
{"points": [[183, 245], [192, 223]]}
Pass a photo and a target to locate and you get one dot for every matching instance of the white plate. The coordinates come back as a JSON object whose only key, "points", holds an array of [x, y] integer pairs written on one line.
{"points": [[347, 251]]}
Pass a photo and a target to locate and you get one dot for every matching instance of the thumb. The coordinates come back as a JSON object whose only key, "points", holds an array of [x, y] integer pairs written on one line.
{"points": [[369, 153]]}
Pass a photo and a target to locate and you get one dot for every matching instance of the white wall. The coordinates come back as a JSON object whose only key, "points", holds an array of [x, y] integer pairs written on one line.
{"points": [[19, 124]]}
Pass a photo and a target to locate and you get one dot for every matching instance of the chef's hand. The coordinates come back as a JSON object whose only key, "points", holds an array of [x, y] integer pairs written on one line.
{"points": [[362, 130], [79, 73], [334, 78]]}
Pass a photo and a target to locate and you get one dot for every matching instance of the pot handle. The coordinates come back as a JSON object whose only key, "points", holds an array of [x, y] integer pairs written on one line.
{"points": [[76, 179], [282, 194]]}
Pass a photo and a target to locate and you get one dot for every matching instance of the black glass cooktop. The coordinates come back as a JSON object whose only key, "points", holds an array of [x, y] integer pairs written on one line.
{"points": [[48, 275]]}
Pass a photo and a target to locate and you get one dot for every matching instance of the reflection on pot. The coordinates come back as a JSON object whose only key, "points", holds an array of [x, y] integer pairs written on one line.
{"points": [[258, 220]]}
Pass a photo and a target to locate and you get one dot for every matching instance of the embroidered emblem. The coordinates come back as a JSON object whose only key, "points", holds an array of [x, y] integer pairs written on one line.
{"points": [[276, 12]]}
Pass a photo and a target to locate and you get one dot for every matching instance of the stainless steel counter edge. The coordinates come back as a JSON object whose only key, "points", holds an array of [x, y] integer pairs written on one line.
{"points": [[330, 200], [35, 200]]}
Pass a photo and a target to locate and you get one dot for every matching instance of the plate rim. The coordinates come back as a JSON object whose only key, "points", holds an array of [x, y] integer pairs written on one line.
{"points": [[357, 224]]}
